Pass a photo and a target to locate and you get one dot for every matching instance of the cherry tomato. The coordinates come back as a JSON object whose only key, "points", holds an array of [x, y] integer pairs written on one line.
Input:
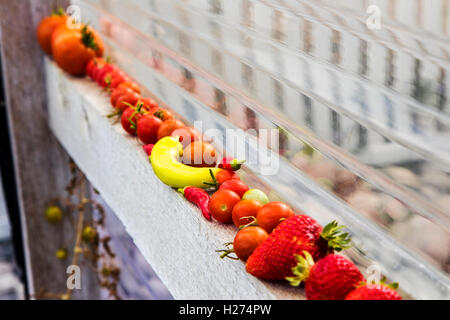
{"points": [[95, 71], [235, 185], [129, 122], [147, 129], [271, 215], [149, 104], [199, 154], [247, 240], [116, 80], [107, 68], [245, 208], [130, 98], [112, 79], [168, 127], [221, 205], [46, 28], [186, 135], [93, 65], [130, 85], [226, 175], [72, 49], [117, 93], [161, 113]]}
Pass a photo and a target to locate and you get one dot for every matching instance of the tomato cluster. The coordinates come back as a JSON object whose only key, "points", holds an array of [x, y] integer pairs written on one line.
{"points": [[80, 52]]}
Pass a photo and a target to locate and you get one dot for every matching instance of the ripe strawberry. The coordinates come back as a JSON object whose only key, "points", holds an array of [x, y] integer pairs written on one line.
{"points": [[331, 278], [375, 292], [275, 257]]}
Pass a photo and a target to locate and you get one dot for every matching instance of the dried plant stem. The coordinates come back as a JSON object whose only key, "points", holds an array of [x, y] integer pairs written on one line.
{"points": [[77, 250]]}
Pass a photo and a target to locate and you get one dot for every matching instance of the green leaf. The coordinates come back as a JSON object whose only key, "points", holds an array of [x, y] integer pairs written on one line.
{"points": [[336, 239], [88, 39]]}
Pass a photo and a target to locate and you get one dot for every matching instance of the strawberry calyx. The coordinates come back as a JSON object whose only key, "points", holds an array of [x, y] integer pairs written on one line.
{"points": [[335, 238], [393, 285], [301, 270]]}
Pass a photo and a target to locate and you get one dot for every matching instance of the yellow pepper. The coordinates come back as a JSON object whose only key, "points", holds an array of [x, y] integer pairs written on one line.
{"points": [[168, 169]]}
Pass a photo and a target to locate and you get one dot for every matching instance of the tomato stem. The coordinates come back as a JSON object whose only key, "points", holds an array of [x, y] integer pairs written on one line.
{"points": [[226, 253], [88, 39]]}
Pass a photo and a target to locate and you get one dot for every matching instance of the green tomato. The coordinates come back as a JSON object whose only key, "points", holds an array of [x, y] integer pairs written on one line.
{"points": [[256, 194], [53, 214]]}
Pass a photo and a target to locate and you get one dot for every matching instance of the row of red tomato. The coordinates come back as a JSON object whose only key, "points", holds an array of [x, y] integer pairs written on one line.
{"points": [[332, 277], [275, 243]]}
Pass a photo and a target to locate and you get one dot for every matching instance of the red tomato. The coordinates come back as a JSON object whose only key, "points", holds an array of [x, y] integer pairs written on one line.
{"points": [[46, 28], [186, 135], [199, 154], [221, 205], [149, 104], [226, 175], [112, 79], [245, 208], [98, 67], [116, 80], [247, 240], [235, 185], [168, 127], [147, 129], [117, 93], [161, 113], [72, 49], [107, 68], [126, 99], [93, 66], [130, 85], [129, 121], [271, 215]]}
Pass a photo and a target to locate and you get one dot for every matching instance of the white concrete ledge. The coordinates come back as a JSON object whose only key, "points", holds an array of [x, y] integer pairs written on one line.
{"points": [[170, 232]]}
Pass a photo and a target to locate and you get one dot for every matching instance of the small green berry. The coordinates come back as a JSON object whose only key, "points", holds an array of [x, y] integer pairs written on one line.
{"points": [[61, 254], [53, 214], [106, 271], [89, 234]]}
